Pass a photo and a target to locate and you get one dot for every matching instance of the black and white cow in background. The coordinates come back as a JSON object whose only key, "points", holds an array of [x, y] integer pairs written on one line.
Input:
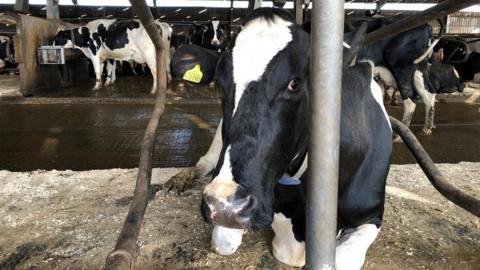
{"points": [[464, 55], [6, 52], [401, 54], [430, 78], [101, 40], [194, 64], [264, 136], [214, 35]]}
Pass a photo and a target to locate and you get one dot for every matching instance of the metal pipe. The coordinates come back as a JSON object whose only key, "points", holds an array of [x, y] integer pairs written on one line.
{"points": [[438, 11], [326, 77], [125, 252], [452, 193]]}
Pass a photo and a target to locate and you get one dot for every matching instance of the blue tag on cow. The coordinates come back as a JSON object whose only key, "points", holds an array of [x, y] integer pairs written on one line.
{"points": [[289, 181]]}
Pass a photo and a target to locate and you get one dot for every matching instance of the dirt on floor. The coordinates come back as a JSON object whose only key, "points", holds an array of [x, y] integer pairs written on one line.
{"points": [[70, 220]]}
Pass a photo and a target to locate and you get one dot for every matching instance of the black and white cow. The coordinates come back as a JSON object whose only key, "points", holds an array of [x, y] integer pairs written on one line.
{"points": [[6, 52], [100, 40], [194, 64], [429, 79], [464, 56], [400, 54], [214, 35], [264, 135]]}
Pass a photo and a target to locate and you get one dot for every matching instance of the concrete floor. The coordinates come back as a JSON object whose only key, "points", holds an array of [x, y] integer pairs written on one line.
{"points": [[67, 131]]}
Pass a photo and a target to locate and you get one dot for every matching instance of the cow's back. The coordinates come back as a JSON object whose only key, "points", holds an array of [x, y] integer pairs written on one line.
{"points": [[365, 149]]}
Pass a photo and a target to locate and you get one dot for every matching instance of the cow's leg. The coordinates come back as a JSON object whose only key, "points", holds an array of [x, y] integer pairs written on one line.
{"points": [[404, 76], [110, 72], [352, 246], [285, 247], [133, 67], [98, 67], [168, 60], [429, 101], [186, 177], [408, 110], [152, 64]]}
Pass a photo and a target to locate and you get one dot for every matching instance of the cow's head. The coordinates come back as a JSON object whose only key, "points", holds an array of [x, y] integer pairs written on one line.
{"points": [[70, 38], [264, 81], [218, 34], [444, 78]]}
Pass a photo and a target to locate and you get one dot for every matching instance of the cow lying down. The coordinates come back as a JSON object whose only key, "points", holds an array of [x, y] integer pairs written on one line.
{"points": [[264, 135], [260, 150], [101, 40], [428, 80]]}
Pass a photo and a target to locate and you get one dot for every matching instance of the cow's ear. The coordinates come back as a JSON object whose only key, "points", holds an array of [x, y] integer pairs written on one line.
{"points": [[353, 43]]}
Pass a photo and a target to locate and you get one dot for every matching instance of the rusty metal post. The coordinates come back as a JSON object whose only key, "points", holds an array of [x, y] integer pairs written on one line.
{"points": [[438, 11], [125, 252], [326, 78]]}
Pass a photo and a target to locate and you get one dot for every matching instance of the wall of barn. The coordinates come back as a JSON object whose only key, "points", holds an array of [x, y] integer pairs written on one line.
{"points": [[34, 32]]}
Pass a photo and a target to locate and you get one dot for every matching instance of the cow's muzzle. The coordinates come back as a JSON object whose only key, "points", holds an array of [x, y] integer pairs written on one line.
{"points": [[215, 42], [233, 211]]}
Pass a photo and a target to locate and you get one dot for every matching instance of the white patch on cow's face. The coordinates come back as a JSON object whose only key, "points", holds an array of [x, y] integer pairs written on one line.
{"points": [[225, 241], [258, 42], [285, 247], [353, 245], [215, 41], [222, 186]]}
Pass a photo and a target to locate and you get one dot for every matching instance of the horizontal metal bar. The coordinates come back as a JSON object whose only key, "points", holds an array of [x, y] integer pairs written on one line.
{"points": [[442, 9]]}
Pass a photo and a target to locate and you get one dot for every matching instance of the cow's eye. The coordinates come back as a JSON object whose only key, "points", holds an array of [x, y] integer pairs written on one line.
{"points": [[293, 85]]}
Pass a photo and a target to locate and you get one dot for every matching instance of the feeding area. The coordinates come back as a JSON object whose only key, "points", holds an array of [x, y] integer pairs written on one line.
{"points": [[230, 134]]}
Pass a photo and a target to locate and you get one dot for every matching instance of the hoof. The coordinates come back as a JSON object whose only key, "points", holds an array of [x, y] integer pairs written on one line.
{"points": [[427, 131], [181, 181]]}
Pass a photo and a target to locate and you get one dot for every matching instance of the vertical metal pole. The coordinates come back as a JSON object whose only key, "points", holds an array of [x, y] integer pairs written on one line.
{"points": [[254, 4], [52, 9], [299, 11], [325, 97], [230, 13], [21, 6]]}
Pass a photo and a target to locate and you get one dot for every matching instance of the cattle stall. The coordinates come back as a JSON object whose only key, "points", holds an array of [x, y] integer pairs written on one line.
{"points": [[117, 178]]}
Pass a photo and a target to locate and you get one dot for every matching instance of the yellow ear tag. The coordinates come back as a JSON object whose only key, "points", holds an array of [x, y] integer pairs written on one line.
{"points": [[193, 75]]}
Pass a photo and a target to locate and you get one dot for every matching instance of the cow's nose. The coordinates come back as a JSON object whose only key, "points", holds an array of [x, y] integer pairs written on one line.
{"points": [[233, 213], [461, 86], [215, 42]]}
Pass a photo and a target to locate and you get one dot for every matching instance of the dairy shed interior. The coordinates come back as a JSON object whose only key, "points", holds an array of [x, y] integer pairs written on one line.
{"points": [[68, 154]]}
